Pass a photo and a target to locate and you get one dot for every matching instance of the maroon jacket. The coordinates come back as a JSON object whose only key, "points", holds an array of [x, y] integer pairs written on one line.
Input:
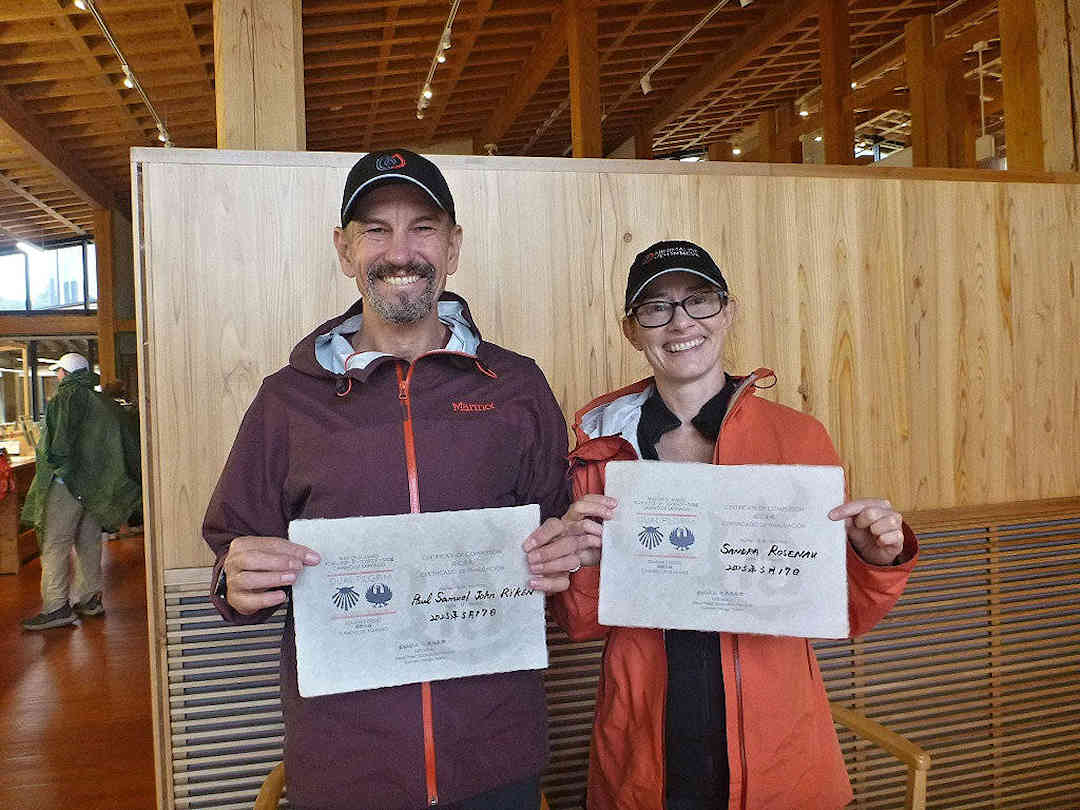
{"points": [[451, 431]]}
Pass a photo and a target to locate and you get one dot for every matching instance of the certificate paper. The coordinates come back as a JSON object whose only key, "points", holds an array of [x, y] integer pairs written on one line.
{"points": [[746, 549], [418, 597]]}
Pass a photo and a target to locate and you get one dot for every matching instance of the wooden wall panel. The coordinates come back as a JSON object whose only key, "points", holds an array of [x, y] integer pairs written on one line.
{"points": [[926, 323], [528, 285], [233, 283], [1044, 237]]}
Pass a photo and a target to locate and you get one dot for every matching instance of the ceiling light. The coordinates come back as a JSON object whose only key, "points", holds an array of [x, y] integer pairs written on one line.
{"points": [[29, 248], [130, 79], [736, 151], [854, 85], [438, 59], [644, 81], [817, 139], [690, 158], [804, 113]]}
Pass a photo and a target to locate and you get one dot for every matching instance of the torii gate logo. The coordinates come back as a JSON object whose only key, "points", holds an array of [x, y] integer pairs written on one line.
{"points": [[385, 163]]}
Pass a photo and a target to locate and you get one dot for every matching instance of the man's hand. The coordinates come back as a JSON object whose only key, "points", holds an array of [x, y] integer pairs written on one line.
{"points": [[874, 529], [560, 546], [256, 568]]}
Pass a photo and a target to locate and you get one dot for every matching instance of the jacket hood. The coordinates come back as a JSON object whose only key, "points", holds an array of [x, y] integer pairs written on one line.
{"points": [[322, 352], [609, 423], [83, 377]]}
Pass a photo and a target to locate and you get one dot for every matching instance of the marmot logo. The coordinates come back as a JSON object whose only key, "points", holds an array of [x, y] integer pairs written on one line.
{"points": [[385, 163], [472, 407]]}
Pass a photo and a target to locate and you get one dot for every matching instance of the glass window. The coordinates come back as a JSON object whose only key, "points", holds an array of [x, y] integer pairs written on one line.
{"points": [[13, 281], [44, 281], [91, 273], [69, 271]]}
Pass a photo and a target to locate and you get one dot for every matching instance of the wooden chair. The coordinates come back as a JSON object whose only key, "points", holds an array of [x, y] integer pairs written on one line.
{"points": [[272, 788], [274, 785], [916, 759]]}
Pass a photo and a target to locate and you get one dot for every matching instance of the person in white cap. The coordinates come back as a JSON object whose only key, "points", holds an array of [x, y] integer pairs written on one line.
{"points": [[82, 482]]}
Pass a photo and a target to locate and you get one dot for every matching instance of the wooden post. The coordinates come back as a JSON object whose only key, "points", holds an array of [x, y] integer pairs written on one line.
{"points": [[788, 147], [929, 112], [583, 53], [106, 286], [766, 136], [720, 150], [836, 82], [1039, 124], [259, 74], [963, 115], [643, 139]]}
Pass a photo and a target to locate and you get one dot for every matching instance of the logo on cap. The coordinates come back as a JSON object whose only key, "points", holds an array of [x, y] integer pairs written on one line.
{"points": [[385, 163]]}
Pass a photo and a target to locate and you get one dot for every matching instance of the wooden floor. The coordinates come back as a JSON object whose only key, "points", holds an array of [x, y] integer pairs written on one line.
{"points": [[75, 720]]}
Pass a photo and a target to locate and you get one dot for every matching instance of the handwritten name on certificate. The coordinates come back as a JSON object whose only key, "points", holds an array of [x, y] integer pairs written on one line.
{"points": [[743, 548], [420, 597]]}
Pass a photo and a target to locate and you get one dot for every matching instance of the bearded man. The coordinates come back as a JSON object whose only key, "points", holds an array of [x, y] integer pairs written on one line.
{"points": [[363, 422]]}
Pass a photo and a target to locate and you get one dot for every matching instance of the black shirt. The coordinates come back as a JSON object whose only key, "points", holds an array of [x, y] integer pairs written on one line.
{"points": [[695, 738]]}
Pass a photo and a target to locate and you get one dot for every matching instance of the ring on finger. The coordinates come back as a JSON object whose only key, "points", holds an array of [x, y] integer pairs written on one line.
{"points": [[575, 569]]}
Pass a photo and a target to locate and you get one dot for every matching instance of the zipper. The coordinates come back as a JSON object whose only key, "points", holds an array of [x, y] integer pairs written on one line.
{"points": [[736, 401], [663, 729], [742, 735], [414, 507], [736, 398]]}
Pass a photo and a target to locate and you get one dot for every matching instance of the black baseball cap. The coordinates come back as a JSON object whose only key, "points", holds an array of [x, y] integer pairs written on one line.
{"points": [[670, 257], [394, 166]]}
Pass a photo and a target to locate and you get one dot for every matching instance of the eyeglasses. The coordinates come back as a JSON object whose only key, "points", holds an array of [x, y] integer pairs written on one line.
{"points": [[699, 305]]}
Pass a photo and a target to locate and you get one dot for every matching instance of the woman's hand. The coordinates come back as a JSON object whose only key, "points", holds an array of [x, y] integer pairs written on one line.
{"points": [[874, 529], [560, 546]]}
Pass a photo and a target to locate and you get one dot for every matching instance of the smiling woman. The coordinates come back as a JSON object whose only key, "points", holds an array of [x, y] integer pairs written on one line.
{"points": [[667, 740]]}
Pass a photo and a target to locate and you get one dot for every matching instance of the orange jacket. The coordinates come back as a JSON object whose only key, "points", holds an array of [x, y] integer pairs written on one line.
{"points": [[782, 747]]}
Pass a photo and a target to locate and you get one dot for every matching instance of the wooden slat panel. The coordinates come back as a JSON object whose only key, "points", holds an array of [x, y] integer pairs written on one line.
{"points": [[989, 688]]}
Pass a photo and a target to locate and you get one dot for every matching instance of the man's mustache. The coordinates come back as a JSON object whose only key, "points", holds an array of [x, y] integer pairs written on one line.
{"points": [[416, 268]]}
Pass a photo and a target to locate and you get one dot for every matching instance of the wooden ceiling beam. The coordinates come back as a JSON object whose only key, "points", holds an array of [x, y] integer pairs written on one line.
{"points": [[744, 76], [614, 47], [120, 111], [190, 42], [19, 127], [459, 57], [779, 22], [388, 26], [15, 188], [892, 55], [548, 51], [164, 66]]}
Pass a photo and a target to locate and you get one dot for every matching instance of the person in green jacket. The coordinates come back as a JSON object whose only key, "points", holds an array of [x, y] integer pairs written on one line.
{"points": [[85, 481]]}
